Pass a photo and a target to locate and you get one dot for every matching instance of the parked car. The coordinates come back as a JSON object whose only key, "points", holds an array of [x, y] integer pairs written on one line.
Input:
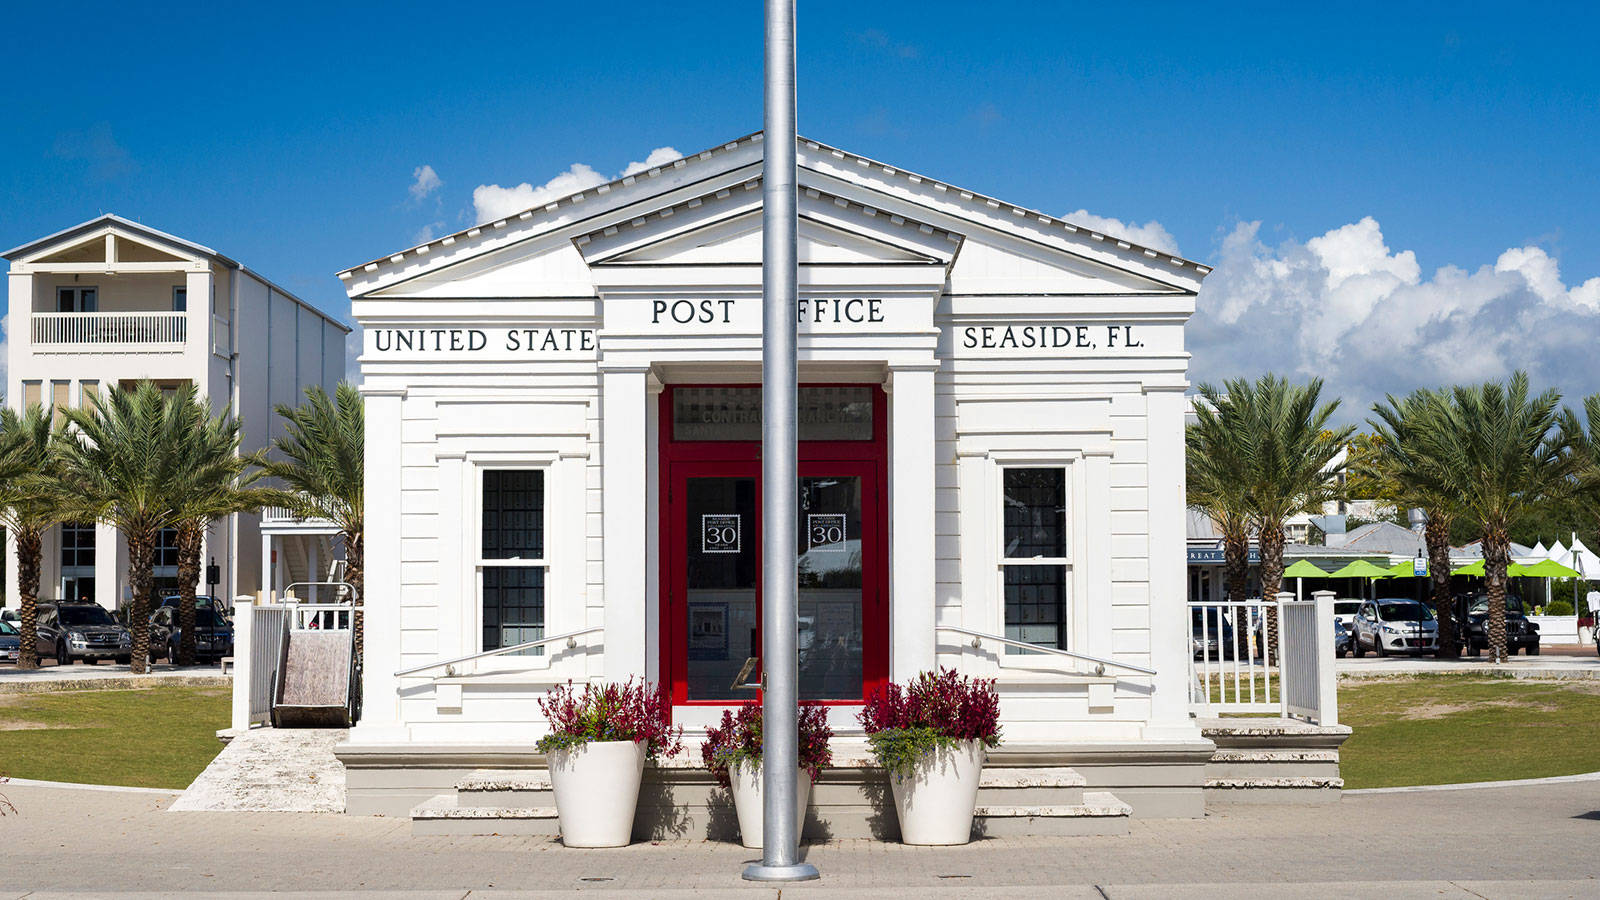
{"points": [[10, 615], [86, 631], [1394, 625], [1341, 638], [1345, 609], [213, 635], [1473, 611], [1212, 634], [10, 642]]}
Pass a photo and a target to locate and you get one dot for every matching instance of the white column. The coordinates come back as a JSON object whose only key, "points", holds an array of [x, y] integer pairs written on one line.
{"points": [[623, 476], [1169, 623], [266, 563], [197, 335], [1327, 677], [380, 717], [106, 567], [313, 569], [243, 629], [911, 505]]}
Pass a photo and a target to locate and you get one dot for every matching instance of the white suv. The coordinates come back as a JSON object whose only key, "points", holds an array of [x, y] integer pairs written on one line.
{"points": [[1394, 626]]}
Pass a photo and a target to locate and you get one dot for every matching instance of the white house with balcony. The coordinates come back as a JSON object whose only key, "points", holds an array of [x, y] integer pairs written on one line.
{"points": [[112, 302]]}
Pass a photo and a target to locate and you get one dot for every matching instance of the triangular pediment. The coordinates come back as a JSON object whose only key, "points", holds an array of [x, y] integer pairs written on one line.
{"points": [[737, 241]]}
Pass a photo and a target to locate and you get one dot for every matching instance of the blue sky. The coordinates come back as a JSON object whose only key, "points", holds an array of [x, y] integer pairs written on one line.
{"points": [[1330, 160]]}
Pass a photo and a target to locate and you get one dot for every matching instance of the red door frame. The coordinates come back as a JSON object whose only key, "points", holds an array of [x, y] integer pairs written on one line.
{"points": [[686, 459]]}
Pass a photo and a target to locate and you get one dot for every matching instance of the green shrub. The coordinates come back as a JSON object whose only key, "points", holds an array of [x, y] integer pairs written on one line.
{"points": [[1558, 608]]}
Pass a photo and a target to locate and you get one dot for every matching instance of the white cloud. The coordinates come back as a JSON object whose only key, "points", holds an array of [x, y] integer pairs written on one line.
{"points": [[1348, 308], [424, 182], [1151, 234], [493, 202], [427, 232]]}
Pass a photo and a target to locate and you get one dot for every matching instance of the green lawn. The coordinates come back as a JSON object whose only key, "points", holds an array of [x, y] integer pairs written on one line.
{"points": [[1451, 728], [156, 737]]}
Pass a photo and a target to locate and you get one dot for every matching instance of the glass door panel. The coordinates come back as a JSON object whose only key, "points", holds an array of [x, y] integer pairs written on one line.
{"points": [[723, 577], [830, 583]]}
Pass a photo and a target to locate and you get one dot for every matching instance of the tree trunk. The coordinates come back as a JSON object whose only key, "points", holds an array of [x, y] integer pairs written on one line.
{"points": [[1271, 581], [1496, 557], [28, 540], [190, 536], [1236, 579], [141, 553], [353, 559], [1437, 536]]}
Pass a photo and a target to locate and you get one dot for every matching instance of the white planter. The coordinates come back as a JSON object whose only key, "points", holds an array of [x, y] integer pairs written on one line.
{"points": [[597, 790], [936, 799], [745, 785]]}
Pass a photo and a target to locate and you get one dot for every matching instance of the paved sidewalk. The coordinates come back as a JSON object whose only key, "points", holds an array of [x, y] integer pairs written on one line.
{"points": [[104, 677], [1446, 844], [1543, 666]]}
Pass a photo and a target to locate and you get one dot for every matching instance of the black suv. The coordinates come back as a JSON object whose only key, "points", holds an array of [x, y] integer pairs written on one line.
{"points": [[1473, 612], [86, 631]]}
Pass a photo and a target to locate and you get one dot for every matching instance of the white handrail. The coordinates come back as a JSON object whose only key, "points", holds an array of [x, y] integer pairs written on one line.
{"points": [[525, 645], [1100, 664]]}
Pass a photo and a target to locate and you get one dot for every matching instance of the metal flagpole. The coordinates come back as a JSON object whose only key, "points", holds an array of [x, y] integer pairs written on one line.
{"points": [[780, 744]]}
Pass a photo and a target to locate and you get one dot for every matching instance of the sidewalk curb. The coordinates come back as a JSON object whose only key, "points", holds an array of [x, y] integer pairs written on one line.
{"points": [[74, 786], [1473, 785], [111, 683]]}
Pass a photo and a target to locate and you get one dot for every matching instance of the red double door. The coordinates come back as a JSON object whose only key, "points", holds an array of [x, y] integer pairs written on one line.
{"points": [[711, 561]]}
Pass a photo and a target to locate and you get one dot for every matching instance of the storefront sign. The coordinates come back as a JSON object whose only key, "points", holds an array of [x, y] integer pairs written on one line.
{"points": [[1218, 556], [825, 532], [479, 343], [1049, 337]]}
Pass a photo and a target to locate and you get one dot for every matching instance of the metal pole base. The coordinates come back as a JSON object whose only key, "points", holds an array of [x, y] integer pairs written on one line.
{"points": [[796, 872]]}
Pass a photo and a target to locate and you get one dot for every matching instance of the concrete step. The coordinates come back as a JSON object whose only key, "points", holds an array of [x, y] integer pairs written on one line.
{"points": [[1263, 763], [516, 788], [442, 815], [1030, 786], [1100, 813], [1281, 789]]}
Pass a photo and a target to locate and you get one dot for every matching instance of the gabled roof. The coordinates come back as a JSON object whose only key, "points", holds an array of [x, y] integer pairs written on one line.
{"points": [[67, 234], [549, 209]]}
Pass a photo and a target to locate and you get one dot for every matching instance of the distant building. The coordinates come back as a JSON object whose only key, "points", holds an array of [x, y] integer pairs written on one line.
{"points": [[111, 302]]}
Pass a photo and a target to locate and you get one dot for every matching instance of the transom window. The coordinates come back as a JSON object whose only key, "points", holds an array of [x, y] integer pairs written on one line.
{"points": [[1033, 561], [166, 549], [511, 564]]}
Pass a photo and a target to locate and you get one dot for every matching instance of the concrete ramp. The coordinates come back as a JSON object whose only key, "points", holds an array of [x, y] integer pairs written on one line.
{"points": [[271, 770], [314, 689]]}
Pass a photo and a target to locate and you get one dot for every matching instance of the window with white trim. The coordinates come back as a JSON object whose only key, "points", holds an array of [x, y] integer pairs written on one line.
{"points": [[512, 568], [1033, 558]]}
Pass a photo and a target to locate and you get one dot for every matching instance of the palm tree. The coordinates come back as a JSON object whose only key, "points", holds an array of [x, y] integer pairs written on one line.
{"points": [[215, 484], [1397, 462], [120, 467], [1495, 452], [30, 505], [323, 466], [1214, 477], [1584, 444], [1285, 453]]}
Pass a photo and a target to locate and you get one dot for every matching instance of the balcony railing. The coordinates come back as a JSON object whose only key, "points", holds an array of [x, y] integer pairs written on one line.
{"points": [[108, 330]]}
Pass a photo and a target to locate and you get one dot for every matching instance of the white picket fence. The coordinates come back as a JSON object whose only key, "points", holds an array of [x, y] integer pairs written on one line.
{"points": [[1230, 671]]}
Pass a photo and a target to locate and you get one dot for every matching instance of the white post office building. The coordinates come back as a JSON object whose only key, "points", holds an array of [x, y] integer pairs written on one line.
{"points": [[563, 416], [111, 302]]}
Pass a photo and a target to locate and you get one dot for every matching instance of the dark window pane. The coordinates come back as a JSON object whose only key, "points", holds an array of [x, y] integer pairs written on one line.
{"points": [[1035, 513], [513, 607], [1036, 604], [513, 514]]}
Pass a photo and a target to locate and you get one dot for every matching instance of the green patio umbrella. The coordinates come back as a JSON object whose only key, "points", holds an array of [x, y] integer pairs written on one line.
{"points": [[1544, 568], [1472, 568], [1302, 569], [1361, 569], [1402, 570]]}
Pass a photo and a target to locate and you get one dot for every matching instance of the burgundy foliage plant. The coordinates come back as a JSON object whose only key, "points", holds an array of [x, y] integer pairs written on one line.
{"points": [[738, 739], [935, 710], [630, 711]]}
